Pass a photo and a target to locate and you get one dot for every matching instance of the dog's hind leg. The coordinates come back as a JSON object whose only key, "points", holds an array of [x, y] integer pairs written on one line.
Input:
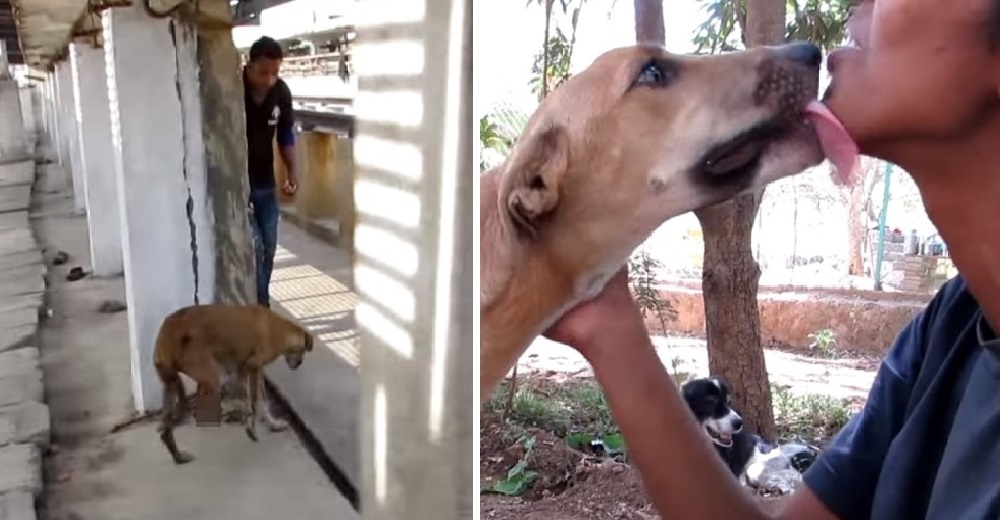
{"points": [[173, 395]]}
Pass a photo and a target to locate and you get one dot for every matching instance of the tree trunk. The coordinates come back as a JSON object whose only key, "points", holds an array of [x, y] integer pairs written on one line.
{"points": [[649, 22], [731, 275], [856, 229]]}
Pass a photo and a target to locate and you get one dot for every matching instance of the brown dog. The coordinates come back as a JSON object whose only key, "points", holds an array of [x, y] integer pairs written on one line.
{"points": [[205, 342], [639, 137]]}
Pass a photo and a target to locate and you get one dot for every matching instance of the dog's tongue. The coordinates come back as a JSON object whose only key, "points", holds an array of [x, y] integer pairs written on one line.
{"points": [[837, 145]]}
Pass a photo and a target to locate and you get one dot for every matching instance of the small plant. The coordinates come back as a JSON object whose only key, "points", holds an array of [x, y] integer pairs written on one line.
{"points": [[808, 417], [528, 408], [519, 477], [824, 343], [642, 274], [589, 406]]}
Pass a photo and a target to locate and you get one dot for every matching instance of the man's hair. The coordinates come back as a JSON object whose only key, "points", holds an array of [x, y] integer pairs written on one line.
{"points": [[266, 47]]}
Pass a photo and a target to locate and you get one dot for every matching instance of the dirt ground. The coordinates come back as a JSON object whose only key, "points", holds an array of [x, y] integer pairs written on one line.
{"points": [[570, 486], [575, 485]]}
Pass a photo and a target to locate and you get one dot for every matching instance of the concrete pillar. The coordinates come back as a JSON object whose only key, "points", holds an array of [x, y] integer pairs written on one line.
{"points": [[28, 110], [77, 155], [413, 243], [53, 114], [178, 130], [326, 178], [13, 141], [99, 182], [59, 114], [43, 104], [69, 140]]}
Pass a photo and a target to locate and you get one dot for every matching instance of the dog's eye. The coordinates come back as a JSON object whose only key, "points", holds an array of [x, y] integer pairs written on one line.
{"points": [[654, 74]]}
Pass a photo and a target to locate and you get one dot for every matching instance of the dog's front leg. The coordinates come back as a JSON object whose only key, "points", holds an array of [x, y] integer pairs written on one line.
{"points": [[274, 423], [253, 395]]}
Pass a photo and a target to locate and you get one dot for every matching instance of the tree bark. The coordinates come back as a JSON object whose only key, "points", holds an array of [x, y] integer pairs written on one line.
{"points": [[730, 275], [856, 229], [649, 22]]}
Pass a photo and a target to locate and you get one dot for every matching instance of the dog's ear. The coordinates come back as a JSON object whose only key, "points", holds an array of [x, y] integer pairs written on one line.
{"points": [[530, 187]]}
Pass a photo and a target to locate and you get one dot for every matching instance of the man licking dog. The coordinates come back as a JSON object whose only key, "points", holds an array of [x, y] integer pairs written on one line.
{"points": [[207, 342]]}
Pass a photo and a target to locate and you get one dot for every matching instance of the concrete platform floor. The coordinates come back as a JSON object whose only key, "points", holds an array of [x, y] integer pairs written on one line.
{"points": [[95, 475], [312, 283]]}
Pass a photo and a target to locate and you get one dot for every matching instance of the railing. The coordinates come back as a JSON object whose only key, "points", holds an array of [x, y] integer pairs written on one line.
{"points": [[334, 115]]}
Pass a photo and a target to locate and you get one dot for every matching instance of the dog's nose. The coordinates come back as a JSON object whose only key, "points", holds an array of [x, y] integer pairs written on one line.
{"points": [[805, 53], [737, 424]]}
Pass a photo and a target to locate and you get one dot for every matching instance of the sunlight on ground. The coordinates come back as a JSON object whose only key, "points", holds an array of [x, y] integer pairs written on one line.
{"points": [[848, 378], [319, 302]]}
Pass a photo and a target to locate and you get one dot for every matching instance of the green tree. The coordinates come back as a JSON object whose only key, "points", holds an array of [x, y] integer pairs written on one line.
{"points": [[819, 21], [552, 62]]}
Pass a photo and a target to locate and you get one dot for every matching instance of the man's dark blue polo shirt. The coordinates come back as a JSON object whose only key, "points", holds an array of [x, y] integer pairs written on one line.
{"points": [[927, 444], [272, 116]]}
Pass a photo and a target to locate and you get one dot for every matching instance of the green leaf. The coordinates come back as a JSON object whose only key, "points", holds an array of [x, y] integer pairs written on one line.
{"points": [[579, 440], [613, 444], [515, 486]]}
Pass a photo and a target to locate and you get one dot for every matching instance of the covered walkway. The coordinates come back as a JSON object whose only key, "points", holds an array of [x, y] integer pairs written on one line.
{"points": [[142, 110]]}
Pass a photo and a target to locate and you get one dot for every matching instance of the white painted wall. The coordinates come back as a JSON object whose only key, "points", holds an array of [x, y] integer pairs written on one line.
{"points": [[100, 186], [13, 145], [159, 178], [417, 369]]}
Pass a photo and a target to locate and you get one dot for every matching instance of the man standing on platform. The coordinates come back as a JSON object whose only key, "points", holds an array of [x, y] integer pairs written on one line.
{"points": [[268, 114]]}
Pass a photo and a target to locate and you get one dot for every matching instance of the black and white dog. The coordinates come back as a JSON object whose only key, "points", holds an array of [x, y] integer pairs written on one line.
{"points": [[711, 404]]}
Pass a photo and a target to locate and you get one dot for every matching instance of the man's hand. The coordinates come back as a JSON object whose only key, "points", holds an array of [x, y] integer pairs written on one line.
{"points": [[291, 185], [600, 322]]}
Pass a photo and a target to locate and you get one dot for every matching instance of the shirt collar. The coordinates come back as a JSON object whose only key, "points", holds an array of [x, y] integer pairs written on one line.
{"points": [[987, 338]]}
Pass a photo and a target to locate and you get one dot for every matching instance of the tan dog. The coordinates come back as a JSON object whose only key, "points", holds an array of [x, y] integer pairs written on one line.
{"points": [[205, 342], [639, 137]]}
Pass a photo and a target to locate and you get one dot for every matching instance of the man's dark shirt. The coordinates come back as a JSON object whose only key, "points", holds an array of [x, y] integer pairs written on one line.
{"points": [[927, 444], [274, 113]]}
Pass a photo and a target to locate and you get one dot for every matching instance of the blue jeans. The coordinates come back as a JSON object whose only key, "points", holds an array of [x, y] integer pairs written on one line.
{"points": [[264, 223]]}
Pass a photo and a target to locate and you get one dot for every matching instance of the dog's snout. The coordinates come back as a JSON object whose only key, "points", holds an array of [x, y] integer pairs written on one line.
{"points": [[803, 53], [737, 423]]}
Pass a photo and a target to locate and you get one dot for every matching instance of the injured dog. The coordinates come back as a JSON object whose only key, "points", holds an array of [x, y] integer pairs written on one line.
{"points": [[637, 138], [205, 342]]}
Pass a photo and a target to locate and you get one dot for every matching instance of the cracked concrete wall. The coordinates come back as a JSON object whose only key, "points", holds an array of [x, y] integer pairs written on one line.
{"points": [[182, 172], [177, 122], [223, 123]]}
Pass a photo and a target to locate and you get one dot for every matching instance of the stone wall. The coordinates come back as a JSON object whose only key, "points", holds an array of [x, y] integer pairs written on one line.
{"points": [[864, 321], [910, 273], [24, 417]]}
